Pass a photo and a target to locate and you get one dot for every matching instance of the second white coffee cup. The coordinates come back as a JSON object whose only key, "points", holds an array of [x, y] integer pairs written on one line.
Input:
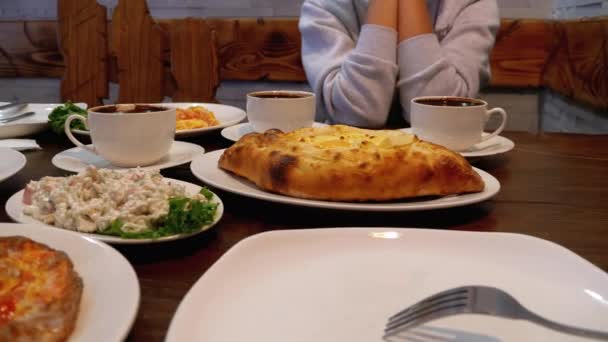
{"points": [[286, 110], [454, 122], [128, 135]]}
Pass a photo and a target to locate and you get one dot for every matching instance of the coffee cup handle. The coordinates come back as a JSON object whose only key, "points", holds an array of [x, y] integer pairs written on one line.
{"points": [[68, 131], [503, 122]]}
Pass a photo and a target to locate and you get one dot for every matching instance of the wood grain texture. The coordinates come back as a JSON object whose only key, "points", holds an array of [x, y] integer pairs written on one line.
{"points": [[138, 45], [566, 56], [30, 49], [83, 39], [194, 62], [255, 49], [567, 207]]}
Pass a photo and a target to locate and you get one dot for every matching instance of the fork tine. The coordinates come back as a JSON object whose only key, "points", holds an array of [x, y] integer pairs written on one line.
{"points": [[423, 310], [414, 321], [441, 296]]}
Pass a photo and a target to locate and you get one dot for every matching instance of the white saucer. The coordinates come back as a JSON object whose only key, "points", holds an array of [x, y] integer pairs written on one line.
{"points": [[236, 132], [14, 209], [496, 145], [12, 162], [205, 168], [77, 159]]}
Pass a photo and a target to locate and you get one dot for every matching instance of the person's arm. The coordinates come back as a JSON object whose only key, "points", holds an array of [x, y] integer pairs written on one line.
{"points": [[457, 65], [414, 19], [354, 81]]}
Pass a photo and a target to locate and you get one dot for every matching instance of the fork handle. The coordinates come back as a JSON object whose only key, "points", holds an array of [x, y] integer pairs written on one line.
{"points": [[568, 329]]}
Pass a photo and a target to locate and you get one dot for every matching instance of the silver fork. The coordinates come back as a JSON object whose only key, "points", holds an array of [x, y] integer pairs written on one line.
{"points": [[475, 300]]}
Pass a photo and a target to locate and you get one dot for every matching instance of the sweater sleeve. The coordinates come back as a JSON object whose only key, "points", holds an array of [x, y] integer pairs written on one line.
{"points": [[457, 65], [354, 81]]}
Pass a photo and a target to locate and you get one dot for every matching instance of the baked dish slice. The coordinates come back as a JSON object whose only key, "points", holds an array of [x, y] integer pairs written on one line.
{"points": [[343, 163], [39, 292]]}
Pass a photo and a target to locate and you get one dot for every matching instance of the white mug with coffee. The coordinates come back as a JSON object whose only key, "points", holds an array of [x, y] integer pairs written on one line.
{"points": [[286, 110], [128, 135], [454, 122]]}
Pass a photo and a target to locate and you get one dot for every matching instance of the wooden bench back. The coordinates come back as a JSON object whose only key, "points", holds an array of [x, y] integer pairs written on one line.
{"points": [[187, 58]]}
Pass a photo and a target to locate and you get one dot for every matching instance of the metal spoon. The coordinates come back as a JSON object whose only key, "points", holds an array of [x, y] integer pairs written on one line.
{"points": [[16, 117]]}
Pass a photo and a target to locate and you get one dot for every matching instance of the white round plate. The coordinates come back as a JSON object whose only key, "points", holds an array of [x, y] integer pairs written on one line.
{"points": [[12, 162], [206, 169], [496, 145], [226, 115], [32, 124], [14, 209], [236, 132], [110, 296], [77, 159], [342, 284]]}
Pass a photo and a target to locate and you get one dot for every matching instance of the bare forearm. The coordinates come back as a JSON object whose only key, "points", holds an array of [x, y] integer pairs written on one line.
{"points": [[413, 19], [383, 13]]}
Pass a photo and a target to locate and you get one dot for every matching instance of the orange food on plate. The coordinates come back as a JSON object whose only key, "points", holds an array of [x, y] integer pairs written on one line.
{"points": [[39, 292], [194, 117]]}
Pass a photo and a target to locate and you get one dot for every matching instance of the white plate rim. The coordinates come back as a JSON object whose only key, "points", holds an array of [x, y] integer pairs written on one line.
{"points": [[185, 308], [228, 131], [506, 145], [195, 131], [40, 233], [32, 124], [14, 209], [194, 147], [492, 187], [19, 161]]}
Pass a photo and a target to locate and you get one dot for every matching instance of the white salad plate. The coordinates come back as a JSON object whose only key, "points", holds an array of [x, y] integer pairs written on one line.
{"points": [[11, 162], [490, 147], [226, 115], [342, 284], [78, 159], [236, 132], [205, 168], [110, 297], [31, 124], [14, 209]]}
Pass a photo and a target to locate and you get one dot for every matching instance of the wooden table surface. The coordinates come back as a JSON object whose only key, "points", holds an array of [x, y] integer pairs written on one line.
{"points": [[553, 187]]}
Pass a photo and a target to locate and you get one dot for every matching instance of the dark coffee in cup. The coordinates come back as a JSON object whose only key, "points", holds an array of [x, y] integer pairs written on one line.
{"points": [[450, 102], [129, 109], [279, 95]]}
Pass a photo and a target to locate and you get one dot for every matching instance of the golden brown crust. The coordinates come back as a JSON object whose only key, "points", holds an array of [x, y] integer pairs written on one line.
{"points": [[39, 290], [342, 163]]}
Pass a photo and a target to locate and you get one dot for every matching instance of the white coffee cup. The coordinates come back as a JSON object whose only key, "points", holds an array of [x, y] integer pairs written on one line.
{"points": [[454, 122], [128, 135], [286, 110]]}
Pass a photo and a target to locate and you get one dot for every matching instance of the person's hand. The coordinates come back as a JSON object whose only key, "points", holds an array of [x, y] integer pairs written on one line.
{"points": [[413, 19], [383, 13]]}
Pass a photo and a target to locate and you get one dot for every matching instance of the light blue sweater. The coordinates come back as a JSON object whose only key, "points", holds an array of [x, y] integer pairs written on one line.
{"points": [[354, 67]]}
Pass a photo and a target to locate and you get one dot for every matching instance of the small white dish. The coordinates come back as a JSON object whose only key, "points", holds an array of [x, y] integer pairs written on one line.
{"points": [[14, 209], [342, 284], [77, 159], [12, 162], [110, 297], [490, 147], [206, 169], [236, 132], [226, 115], [31, 124]]}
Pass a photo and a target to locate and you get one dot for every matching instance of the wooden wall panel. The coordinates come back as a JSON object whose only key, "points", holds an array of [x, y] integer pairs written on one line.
{"points": [[194, 64], [138, 45], [566, 56], [83, 38]]}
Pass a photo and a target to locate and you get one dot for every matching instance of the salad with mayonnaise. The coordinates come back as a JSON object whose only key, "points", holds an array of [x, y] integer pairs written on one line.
{"points": [[133, 204]]}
